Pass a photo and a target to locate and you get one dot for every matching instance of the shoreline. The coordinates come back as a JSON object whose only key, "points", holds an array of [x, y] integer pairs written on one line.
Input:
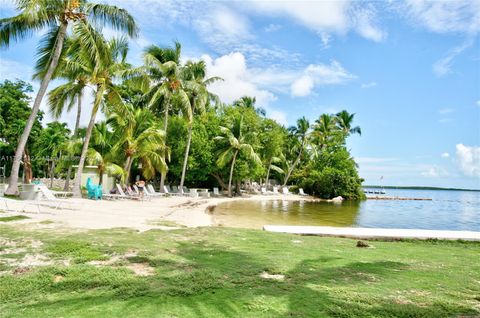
{"points": [[158, 213]]}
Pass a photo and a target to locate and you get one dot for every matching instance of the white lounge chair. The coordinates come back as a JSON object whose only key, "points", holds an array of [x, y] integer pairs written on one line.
{"points": [[125, 196], [151, 194], [300, 191], [285, 190], [51, 199], [275, 190], [9, 203], [264, 190], [151, 191], [216, 193], [165, 189]]}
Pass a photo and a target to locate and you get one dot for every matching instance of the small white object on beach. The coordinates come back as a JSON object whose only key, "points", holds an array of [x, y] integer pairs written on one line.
{"points": [[272, 276], [338, 199]]}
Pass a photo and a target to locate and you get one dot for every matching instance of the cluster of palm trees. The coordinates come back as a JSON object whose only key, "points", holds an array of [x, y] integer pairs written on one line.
{"points": [[136, 99], [73, 49]]}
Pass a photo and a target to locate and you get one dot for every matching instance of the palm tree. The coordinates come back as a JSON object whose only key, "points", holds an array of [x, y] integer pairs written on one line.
{"points": [[141, 138], [249, 102], [56, 16], [195, 85], [324, 130], [301, 134], [100, 152], [163, 68], [234, 142], [102, 60], [344, 122]]}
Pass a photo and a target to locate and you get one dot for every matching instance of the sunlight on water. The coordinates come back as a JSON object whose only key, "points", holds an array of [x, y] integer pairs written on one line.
{"points": [[449, 210]]}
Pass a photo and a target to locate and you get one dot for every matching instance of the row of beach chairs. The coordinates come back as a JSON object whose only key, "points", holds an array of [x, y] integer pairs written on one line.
{"points": [[284, 190]]}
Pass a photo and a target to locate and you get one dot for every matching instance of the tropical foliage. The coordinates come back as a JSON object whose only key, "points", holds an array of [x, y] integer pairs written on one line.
{"points": [[162, 120]]}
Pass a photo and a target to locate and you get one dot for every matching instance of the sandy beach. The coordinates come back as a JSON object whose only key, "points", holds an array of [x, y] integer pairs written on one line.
{"points": [[139, 215]]}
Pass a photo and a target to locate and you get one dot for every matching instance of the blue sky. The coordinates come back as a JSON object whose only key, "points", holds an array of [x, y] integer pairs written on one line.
{"points": [[409, 70]]}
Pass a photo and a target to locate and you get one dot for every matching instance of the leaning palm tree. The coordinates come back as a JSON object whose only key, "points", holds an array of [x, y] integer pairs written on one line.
{"points": [[103, 61], [233, 142], [344, 121], [139, 137], [164, 71], [301, 133], [195, 83], [56, 16]]}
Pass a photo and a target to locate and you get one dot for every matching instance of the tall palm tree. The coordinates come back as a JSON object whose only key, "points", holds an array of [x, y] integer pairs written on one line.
{"points": [[301, 133], [195, 83], [100, 152], [324, 130], [344, 121], [103, 61], [233, 142], [56, 16], [163, 68], [141, 138]]}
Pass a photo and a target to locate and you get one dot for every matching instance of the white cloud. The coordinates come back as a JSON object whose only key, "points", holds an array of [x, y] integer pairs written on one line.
{"points": [[478, 102], [326, 16], [459, 16], [443, 66], [468, 160], [238, 82], [445, 155], [444, 120], [435, 172], [302, 86], [369, 85], [445, 111], [272, 27], [326, 38], [319, 74]]}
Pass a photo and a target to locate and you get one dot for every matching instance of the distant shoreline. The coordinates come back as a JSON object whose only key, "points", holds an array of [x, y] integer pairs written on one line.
{"points": [[417, 188]]}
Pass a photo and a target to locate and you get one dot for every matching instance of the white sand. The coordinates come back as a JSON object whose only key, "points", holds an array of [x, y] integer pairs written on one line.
{"points": [[140, 215]]}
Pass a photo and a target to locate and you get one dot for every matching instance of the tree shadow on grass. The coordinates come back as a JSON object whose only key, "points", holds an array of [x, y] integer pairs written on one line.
{"points": [[209, 280]]}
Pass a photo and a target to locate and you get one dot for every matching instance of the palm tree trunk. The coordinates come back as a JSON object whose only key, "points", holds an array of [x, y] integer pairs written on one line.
{"points": [[185, 159], [27, 166], [13, 183], [165, 126], [289, 173], [77, 193], [268, 172], [231, 174], [127, 167], [75, 133], [52, 169]]}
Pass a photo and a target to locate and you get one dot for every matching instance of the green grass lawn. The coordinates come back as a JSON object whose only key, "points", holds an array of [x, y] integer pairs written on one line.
{"points": [[13, 218], [215, 272]]}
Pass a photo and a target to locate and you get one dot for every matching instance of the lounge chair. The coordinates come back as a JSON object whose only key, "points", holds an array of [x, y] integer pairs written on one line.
{"points": [[152, 191], [125, 196], [94, 191], [165, 189], [216, 193], [51, 199], [263, 190], [300, 192], [285, 190], [136, 192], [24, 203], [275, 190]]}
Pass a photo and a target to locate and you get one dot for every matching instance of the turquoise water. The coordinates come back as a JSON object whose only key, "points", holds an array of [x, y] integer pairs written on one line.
{"points": [[448, 210]]}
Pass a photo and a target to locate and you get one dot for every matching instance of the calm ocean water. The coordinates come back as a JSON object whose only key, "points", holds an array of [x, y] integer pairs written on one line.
{"points": [[448, 210]]}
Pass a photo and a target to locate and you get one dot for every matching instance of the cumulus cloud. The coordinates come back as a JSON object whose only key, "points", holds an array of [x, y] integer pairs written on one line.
{"points": [[468, 160], [238, 82], [319, 74]]}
